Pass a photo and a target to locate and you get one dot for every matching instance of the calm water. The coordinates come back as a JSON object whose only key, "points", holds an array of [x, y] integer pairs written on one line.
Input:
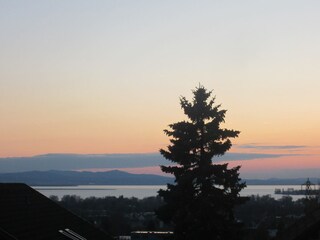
{"points": [[141, 191]]}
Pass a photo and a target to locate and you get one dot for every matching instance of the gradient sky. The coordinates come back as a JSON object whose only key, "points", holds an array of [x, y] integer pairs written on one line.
{"points": [[105, 76]]}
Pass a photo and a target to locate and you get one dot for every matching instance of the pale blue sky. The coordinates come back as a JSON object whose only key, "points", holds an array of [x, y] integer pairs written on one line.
{"points": [[105, 76]]}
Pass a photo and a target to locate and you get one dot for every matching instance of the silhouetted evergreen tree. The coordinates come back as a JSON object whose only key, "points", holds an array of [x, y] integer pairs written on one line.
{"points": [[200, 203]]}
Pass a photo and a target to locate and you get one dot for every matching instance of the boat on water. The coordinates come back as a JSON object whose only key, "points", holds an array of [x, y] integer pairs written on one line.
{"points": [[307, 189], [292, 191]]}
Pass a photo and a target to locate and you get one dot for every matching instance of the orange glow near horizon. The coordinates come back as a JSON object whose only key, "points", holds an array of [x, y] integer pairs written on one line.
{"points": [[289, 162], [247, 166]]}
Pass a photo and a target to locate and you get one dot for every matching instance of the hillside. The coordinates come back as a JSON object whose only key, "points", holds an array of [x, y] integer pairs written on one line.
{"points": [[114, 177]]}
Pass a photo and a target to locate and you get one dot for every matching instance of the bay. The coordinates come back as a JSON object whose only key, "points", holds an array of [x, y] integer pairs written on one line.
{"points": [[142, 191]]}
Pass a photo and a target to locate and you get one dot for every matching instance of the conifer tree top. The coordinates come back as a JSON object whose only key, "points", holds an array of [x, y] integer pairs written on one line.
{"points": [[201, 136], [200, 202]]}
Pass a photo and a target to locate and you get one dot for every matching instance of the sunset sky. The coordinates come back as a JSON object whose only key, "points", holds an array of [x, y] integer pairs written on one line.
{"points": [[94, 77]]}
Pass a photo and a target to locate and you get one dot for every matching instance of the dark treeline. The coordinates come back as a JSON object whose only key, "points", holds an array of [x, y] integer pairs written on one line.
{"points": [[116, 215], [261, 216]]}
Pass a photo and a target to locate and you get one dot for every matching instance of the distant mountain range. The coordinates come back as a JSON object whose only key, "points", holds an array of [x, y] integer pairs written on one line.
{"points": [[115, 177], [53, 177]]}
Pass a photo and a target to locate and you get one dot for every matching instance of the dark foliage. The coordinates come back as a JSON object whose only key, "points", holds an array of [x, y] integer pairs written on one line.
{"points": [[262, 215], [120, 216], [115, 215], [201, 201]]}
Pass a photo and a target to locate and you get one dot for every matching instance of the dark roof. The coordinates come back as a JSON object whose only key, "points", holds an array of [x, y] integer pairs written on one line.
{"points": [[27, 214]]}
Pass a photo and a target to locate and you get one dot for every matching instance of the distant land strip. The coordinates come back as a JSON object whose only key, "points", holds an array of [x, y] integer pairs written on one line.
{"points": [[116, 177]]}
